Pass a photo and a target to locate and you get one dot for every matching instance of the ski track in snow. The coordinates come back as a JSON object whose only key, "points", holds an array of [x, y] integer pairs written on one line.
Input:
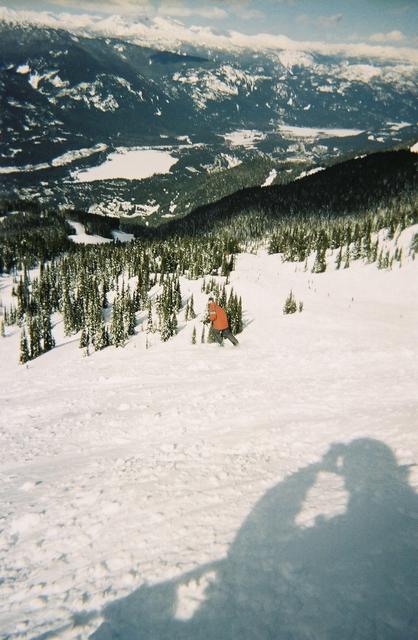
{"points": [[140, 469]]}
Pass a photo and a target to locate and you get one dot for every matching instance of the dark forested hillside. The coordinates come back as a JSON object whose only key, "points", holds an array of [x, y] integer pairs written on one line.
{"points": [[351, 187]]}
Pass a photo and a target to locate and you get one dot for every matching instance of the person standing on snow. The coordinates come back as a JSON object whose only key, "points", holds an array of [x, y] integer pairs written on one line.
{"points": [[219, 321]]}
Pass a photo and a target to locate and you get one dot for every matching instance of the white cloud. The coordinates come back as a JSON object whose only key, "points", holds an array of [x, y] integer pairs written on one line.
{"points": [[137, 7], [162, 33], [391, 36], [179, 10]]}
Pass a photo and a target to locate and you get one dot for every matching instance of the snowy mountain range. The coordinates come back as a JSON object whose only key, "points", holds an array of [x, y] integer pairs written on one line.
{"points": [[148, 120]]}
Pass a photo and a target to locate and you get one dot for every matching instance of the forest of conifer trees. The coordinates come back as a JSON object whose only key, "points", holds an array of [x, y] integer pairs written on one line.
{"points": [[98, 290]]}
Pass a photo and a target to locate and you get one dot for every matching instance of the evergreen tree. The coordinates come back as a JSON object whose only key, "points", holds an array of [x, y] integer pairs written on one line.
{"points": [[339, 258], [105, 291], [23, 297], [24, 349], [68, 312], [386, 260], [194, 335], [320, 263], [290, 305], [84, 339], [399, 257], [211, 335], [165, 330], [35, 337], [117, 330], [173, 324], [356, 250], [373, 251], [191, 314], [48, 341], [234, 313], [177, 295], [149, 326], [239, 321], [102, 339], [347, 258], [129, 315], [366, 243]]}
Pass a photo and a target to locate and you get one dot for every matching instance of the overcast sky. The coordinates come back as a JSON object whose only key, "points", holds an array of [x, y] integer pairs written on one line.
{"points": [[391, 22]]}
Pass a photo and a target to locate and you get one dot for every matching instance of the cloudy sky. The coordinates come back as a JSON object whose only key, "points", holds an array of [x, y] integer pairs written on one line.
{"points": [[390, 22]]}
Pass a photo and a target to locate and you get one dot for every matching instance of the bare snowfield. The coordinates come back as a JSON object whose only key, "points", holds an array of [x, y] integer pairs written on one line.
{"points": [[313, 133], [244, 138], [197, 492], [130, 164], [81, 237], [270, 178]]}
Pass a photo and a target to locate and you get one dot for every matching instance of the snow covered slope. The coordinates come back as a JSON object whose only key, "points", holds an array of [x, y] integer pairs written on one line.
{"points": [[196, 492]]}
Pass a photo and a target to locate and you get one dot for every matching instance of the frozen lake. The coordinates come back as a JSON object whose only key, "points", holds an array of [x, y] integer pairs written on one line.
{"points": [[129, 164]]}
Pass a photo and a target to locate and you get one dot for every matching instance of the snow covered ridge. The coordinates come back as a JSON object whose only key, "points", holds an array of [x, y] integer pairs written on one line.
{"points": [[224, 83], [162, 33], [93, 94], [310, 172], [66, 158]]}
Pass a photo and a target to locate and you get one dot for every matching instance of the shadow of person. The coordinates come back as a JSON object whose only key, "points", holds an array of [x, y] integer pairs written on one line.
{"points": [[352, 575]]}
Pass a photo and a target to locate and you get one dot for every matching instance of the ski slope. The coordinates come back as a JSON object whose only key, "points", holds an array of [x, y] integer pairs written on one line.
{"points": [[197, 492]]}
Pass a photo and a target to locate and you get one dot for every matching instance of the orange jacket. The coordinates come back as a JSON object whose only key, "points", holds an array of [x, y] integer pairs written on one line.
{"points": [[217, 316]]}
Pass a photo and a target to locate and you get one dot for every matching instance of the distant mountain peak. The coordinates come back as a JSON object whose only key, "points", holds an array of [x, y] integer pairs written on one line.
{"points": [[166, 33]]}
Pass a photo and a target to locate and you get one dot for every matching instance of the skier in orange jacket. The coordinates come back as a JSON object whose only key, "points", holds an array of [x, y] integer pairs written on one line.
{"points": [[219, 320]]}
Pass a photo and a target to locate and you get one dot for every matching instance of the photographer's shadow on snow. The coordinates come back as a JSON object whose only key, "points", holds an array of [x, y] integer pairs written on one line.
{"points": [[352, 575]]}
